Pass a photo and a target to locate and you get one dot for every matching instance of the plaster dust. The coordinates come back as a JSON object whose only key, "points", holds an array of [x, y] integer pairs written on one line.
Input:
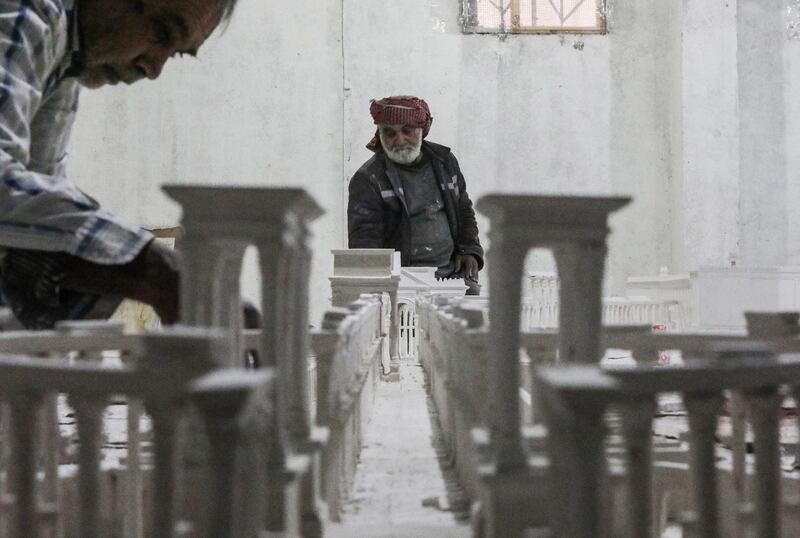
{"points": [[401, 478]]}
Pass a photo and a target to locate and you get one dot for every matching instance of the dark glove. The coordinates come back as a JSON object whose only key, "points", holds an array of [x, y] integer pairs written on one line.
{"points": [[467, 266], [446, 271], [462, 266], [152, 277]]}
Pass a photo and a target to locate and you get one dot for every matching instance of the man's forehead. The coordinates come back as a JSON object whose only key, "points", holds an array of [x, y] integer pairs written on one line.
{"points": [[199, 15]]}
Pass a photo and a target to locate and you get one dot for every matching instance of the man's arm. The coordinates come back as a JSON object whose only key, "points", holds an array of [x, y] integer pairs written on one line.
{"points": [[467, 242], [364, 213]]}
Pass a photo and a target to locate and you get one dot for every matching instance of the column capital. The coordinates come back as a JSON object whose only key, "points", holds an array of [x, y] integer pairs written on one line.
{"points": [[241, 211], [547, 220]]}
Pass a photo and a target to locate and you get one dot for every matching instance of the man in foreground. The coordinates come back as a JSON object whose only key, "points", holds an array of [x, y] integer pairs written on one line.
{"points": [[411, 196], [61, 256]]}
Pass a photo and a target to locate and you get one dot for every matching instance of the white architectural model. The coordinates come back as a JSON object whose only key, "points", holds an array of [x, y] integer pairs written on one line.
{"points": [[282, 448]]}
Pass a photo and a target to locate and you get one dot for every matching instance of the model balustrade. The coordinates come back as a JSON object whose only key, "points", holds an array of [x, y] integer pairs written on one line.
{"points": [[576, 398], [86, 342], [297, 429], [348, 349], [454, 340], [282, 438], [475, 381], [540, 308], [575, 229], [164, 374], [453, 351]]}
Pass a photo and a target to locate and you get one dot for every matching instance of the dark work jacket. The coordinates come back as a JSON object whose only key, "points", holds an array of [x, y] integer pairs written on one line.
{"points": [[377, 215]]}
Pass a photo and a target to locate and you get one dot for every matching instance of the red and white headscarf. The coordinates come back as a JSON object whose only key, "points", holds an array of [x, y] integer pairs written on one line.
{"points": [[399, 110]]}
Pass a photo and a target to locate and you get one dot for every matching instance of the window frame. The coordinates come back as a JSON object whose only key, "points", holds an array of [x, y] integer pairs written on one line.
{"points": [[469, 23]]}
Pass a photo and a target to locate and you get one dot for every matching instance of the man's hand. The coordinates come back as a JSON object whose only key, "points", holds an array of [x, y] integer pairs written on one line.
{"points": [[152, 277], [467, 265], [159, 270]]}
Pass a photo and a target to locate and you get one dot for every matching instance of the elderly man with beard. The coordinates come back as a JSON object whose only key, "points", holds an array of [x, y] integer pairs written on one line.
{"points": [[411, 196], [61, 256]]}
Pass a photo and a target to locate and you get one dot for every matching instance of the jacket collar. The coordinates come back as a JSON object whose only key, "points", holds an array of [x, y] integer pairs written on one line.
{"points": [[435, 150]]}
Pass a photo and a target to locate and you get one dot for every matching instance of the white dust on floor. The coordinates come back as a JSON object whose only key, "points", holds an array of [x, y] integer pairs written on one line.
{"points": [[399, 480]]}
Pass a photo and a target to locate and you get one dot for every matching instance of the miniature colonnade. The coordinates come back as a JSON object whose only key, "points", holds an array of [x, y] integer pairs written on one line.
{"points": [[259, 469], [575, 228], [307, 461], [224, 221], [281, 443], [455, 352], [470, 361]]}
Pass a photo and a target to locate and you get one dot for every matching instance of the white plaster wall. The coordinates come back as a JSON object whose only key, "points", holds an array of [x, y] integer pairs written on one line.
{"points": [[644, 61], [709, 198], [282, 98], [792, 97], [762, 132]]}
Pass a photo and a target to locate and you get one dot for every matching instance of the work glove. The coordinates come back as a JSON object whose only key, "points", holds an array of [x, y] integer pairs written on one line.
{"points": [[467, 266]]}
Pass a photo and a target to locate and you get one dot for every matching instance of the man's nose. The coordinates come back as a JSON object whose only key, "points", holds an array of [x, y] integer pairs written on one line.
{"points": [[152, 64]]}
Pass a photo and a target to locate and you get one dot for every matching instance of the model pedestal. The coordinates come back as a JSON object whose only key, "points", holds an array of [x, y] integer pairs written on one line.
{"points": [[370, 270]]}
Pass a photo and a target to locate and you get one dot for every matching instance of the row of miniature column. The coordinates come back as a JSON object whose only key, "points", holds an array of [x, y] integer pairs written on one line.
{"points": [[576, 399], [164, 372], [453, 349], [220, 224], [81, 342], [348, 351], [632, 311], [616, 311], [543, 288], [575, 229], [453, 352]]}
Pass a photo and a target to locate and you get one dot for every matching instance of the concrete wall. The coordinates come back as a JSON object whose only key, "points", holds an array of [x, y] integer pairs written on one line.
{"points": [[709, 194], [650, 110]]}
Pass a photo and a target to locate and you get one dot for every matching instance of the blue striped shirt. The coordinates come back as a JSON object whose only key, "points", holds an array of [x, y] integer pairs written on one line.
{"points": [[40, 209]]}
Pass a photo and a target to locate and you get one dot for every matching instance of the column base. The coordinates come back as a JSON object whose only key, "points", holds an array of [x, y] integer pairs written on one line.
{"points": [[394, 371], [284, 497], [314, 511]]}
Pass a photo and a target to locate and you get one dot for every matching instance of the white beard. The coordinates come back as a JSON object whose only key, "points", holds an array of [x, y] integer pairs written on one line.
{"points": [[405, 154]]}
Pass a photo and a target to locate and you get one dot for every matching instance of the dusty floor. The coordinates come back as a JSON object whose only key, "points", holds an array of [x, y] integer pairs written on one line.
{"points": [[402, 479]]}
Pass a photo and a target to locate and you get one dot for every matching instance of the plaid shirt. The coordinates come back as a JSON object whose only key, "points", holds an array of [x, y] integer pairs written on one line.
{"points": [[43, 215], [40, 209]]}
